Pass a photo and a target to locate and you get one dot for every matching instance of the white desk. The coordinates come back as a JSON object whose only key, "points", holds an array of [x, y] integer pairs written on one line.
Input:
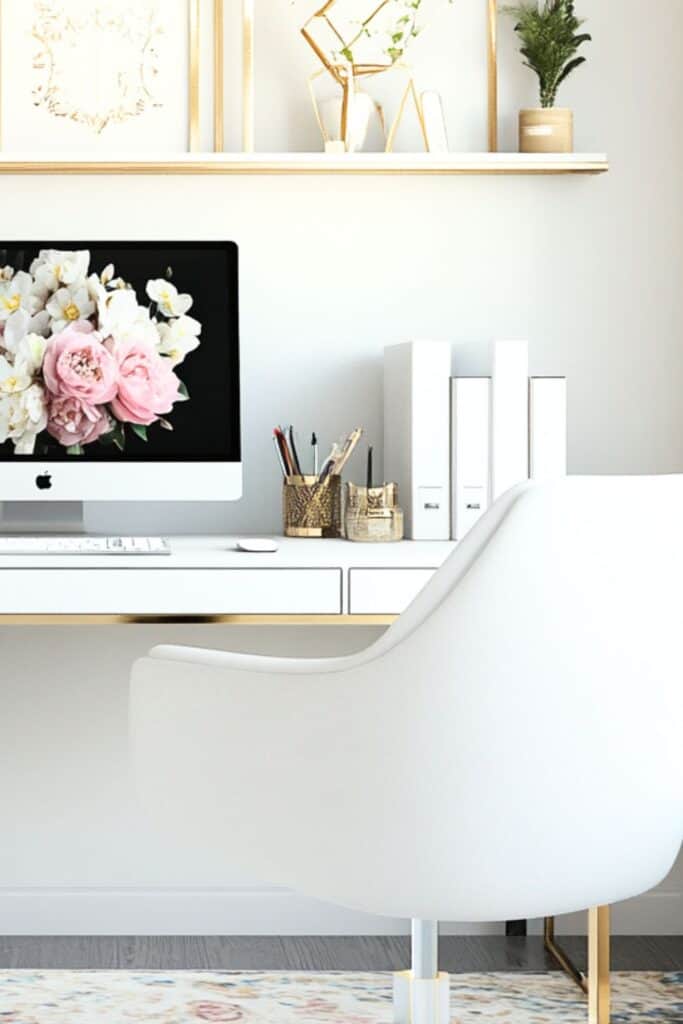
{"points": [[206, 579]]}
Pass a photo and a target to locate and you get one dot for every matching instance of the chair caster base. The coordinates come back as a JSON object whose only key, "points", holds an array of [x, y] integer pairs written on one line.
{"points": [[421, 1001]]}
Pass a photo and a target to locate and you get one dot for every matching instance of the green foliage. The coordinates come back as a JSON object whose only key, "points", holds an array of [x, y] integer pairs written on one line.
{"points": [[139, 430], [550, 37], [116, 436]]}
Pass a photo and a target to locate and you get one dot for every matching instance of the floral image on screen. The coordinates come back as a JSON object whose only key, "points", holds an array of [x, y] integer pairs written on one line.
{"points": [[84, 359]]}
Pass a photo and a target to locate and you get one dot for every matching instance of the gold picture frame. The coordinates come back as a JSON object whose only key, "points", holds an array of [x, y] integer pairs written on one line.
{"points": [[218, 76], [248, 15], [247, 49], [492, 66], [194, 83]]}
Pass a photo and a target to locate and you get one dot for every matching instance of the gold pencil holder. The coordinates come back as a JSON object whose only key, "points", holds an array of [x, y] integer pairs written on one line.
{"points": [[373, 515], [311, 508]]}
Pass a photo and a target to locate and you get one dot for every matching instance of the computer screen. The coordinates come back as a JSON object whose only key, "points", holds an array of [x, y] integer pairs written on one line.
{"points": [[119, 352]]}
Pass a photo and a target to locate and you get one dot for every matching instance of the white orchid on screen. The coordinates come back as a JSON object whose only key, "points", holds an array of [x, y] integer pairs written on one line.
{"points": [[121, 317], [168, 300], [23, 415], [13, 378], [18, 292], [68, 305], [81, 360], [53, 268], [179, 338], [20, 324]]}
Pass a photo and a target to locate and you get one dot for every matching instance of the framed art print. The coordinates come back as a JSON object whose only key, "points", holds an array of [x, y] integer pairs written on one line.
{"points": [[100, 76]]}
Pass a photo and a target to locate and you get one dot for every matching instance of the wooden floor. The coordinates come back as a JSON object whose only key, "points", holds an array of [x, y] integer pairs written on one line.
{"points": [[457, 954]]}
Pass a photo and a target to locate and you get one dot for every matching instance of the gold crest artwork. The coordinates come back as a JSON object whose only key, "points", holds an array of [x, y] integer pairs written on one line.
{"points": [[96, 64], [342, 34]]}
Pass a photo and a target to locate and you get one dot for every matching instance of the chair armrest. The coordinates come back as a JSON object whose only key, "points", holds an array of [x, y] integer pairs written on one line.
{"points": [[235, 662]]}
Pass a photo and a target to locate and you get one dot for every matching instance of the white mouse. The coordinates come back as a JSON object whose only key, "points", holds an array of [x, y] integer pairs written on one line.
{"points": [[257, 545]]}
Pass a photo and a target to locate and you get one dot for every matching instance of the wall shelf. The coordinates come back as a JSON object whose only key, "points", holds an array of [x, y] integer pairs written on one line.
{"points": [[314, 163]]}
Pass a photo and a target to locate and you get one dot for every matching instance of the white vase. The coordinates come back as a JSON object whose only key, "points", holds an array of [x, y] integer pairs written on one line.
{"points": [[363, 122]]}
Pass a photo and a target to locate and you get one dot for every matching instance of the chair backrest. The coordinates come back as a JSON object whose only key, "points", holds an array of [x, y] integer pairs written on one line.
{"points": [[511, 749]]}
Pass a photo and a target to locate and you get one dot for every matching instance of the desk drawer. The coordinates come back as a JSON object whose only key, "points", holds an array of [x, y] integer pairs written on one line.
{"points": [[385, 591], [170, 591]]}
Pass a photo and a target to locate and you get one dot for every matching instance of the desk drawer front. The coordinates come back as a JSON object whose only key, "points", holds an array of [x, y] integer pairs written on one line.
{"points": [[385, 591], [170, 591]]}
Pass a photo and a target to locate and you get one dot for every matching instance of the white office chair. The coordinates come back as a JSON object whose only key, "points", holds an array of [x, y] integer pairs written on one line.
{"points": [[510, 748]]}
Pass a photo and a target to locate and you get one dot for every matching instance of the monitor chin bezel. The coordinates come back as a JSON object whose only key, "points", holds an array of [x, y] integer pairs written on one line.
{"points": [[119, 481]]}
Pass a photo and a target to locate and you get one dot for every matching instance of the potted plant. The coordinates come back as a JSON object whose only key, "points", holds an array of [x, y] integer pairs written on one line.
{"points": [[549, 31]]}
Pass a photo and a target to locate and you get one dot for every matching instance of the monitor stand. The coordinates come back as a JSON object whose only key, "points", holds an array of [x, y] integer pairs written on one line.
{"points": [[35, 517]]}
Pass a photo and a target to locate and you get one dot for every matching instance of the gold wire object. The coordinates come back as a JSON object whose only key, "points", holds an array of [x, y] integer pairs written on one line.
{"points": [[311, 508], [346, 73]]}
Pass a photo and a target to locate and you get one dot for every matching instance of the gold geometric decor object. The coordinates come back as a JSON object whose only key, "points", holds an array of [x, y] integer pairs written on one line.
{"points": [[353, 94], [341, 33]]}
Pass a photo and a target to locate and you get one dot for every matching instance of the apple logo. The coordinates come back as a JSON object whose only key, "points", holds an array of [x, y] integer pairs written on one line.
{"points": [[44, 482]]}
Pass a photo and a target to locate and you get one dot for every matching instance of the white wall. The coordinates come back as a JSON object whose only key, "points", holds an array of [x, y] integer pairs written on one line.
{"points": [[589, 269]]}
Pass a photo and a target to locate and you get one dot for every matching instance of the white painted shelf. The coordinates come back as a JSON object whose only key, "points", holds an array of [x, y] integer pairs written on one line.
{"points": [[310, 163]]}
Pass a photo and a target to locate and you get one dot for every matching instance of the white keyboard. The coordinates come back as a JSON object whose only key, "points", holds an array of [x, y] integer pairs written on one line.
{"points": [[84, 546]]}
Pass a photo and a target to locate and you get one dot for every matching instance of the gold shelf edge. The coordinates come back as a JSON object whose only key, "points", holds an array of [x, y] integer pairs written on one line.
{"points": [[287, 166], [229, 620]]}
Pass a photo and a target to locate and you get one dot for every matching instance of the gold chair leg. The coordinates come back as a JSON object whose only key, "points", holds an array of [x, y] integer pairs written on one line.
{"points": [[560, 957], [597, 984], [598, 965]]}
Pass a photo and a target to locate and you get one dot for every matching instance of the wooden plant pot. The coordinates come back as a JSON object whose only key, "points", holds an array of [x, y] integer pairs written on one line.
{"points": [[549, 130]]}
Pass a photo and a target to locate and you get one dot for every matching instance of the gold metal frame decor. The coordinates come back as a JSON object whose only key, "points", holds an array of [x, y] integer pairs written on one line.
{"points": [[409, 93], [108, 14], [347, 73]]}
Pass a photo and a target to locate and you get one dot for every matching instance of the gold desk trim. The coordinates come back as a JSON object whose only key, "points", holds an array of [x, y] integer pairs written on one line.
{"points": [[196, 620]]}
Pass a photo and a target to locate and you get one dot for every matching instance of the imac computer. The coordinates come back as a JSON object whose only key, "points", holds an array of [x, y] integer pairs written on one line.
{"points": [[119, 372]]}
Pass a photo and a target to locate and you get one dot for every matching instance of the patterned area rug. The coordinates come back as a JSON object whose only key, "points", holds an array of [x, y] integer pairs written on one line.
{"points": [[225, 997]]}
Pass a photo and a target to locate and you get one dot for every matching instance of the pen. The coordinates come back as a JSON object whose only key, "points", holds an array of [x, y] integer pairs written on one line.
{"points": [[314, 446], [284, 449], [295, 456], [278, 453], [369, 471]]}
